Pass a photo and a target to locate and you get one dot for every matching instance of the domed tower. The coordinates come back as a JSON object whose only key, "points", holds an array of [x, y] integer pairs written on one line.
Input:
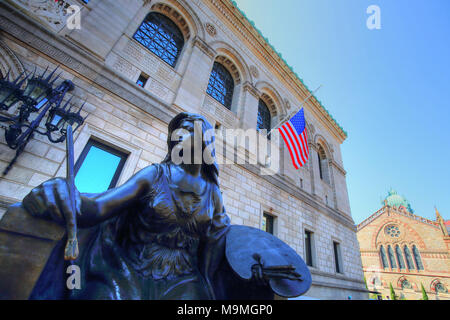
{"points": [[395, 200]]}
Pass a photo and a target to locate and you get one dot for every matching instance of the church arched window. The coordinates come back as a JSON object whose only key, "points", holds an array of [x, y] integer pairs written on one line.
{"points": [[161, 36], [406, 284], [439, 287], [221, 85], [408, 257], [383, 257], [263, 116], [399, 254], [392, 258], [417, 258]]}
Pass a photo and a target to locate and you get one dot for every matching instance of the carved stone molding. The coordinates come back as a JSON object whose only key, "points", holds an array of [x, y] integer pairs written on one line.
{"points": [[247, 86], [270, 103], [212, 31], [202, 45], [175, 16], [231, 68], [52, 14], [9, 62], [254, 71]]}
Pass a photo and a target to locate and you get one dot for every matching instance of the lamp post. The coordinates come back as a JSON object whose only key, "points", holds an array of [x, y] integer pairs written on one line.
{"points": [[39, 97]]}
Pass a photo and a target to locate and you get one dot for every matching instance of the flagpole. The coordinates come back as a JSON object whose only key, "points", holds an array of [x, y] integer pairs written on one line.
{"points": [[295, 111]]}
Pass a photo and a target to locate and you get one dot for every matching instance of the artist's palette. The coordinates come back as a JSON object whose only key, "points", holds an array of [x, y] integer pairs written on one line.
{"points": [[246, 245]]}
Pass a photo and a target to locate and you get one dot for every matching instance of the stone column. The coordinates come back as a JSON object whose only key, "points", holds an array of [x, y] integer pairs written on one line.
{"points": [[248, 110], [193, 86]]}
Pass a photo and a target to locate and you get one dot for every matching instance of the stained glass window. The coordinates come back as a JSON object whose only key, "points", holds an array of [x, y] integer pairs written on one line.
{"points": [[263, 116], [221, 85], [383, 257], [400, 259], [406, 284], [417, 258], [440, 288], [392, 258], [393, 231], [161, 36], [409, 260]]}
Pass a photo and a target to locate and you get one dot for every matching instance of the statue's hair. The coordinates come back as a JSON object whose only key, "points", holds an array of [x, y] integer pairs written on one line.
{"points": [[211, 171]]}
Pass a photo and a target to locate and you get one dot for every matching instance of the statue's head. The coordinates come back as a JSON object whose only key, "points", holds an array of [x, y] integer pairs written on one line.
{"points": [[188, 122]]}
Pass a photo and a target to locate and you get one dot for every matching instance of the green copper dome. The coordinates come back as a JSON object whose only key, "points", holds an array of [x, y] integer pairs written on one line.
{"points": [[395, 200]]}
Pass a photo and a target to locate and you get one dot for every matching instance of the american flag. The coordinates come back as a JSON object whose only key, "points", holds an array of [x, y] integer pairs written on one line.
{"points": [[295, 136]]}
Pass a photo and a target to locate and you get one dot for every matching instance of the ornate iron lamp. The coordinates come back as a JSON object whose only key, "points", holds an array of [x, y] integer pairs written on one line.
{"points": [[40, 97]]}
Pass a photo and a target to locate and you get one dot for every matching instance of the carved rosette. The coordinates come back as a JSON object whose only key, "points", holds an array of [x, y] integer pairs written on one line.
{"points": [[288, 104], [53, 13], [254, 72], [212, 31]]}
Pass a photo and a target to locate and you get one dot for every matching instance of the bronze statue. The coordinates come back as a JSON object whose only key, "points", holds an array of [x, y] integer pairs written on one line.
{"points": [[164, 234]]}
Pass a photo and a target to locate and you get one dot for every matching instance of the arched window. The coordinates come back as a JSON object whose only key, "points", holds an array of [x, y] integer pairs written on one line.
{"points": [[399, 254], [263, 116], [439, 287], [323, 165], [383, 257], [221, 85], [409, 260], [161, 36], [417, 258], [406, 284], [392, 258]]}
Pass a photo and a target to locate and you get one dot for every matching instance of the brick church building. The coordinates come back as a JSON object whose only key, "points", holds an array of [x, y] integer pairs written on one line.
{"points": [[406, 251]]}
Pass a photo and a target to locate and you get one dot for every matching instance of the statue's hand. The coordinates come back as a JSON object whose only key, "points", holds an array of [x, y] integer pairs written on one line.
{"points": [[51, 200], [258, 275], [262, 274]]}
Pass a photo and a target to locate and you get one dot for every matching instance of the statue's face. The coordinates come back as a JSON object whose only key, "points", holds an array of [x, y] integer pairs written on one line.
{"points": [[189, 135], [184, 132]]}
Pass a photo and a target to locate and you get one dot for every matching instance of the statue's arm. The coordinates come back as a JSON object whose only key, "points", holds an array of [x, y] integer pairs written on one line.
{"points": [[213, 250], [50, 200], [101, 207]]}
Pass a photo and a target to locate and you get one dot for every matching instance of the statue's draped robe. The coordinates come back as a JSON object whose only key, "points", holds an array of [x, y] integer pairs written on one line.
{"points": [[151, 251]]}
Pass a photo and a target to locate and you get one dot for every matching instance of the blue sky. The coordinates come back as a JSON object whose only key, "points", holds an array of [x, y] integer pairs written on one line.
{"points": [[388, 88], [98, 163]]}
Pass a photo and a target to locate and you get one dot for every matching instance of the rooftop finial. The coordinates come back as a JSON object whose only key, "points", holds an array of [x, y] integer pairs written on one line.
{"points": [[438, 215]]}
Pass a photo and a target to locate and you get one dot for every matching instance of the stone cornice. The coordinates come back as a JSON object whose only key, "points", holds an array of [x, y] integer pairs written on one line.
{"points": [[251, 34], [202, 45], [247, 86], [338, 167], [400, 212]]}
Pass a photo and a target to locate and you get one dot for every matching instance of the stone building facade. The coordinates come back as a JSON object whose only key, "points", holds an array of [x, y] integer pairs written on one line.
{"points": [[405, 250], [105, 62]]}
